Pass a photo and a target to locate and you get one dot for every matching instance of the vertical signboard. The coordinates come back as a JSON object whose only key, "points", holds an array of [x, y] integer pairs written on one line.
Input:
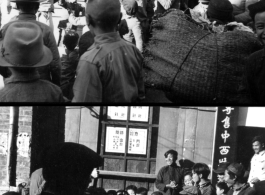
{"points": [[225, 137]]}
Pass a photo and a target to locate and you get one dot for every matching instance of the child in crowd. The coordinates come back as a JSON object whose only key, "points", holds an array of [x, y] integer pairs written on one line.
{"points": [[189, 187], [254, 81], [221, 188], [131, 189], [188, 180], [111, 70], [69, 64], [122, 192], [200, 173]]}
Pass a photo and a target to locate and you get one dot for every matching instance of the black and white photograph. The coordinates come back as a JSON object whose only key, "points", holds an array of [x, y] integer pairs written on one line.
{"points": [[75, 150]]}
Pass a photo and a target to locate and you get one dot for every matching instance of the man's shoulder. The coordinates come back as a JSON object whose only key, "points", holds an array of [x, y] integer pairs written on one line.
{"points": [[257, 55], [91, 53]]}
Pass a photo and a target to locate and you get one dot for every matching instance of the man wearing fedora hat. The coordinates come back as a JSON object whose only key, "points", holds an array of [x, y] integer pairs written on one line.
{"points": [[22, 51], [27, 10], [234, 177]]}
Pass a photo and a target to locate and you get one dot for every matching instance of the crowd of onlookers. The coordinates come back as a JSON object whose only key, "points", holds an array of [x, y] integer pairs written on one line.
{"points": [[105, 63]]}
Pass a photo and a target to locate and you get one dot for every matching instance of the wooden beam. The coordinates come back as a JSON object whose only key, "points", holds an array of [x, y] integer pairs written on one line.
{"points": [[127, 174]]}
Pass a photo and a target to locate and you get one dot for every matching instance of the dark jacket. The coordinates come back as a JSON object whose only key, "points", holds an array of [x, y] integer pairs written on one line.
{"points": [[167, 174], [110, 71], [254, 79], [29, 88], [53, 71], [245, 190], [207, 189]]}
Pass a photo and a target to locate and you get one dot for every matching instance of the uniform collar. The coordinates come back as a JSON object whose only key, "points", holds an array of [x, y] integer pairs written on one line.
{"points": [[27, 17], [206, 183], [18, 77], [261, 153], [107, 38]]}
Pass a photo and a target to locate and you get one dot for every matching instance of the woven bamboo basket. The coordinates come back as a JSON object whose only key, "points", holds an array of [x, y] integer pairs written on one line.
{"points": [[194, 65]]}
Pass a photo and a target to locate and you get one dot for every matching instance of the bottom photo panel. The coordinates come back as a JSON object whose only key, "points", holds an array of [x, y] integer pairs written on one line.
{"points": [[132, 150]]}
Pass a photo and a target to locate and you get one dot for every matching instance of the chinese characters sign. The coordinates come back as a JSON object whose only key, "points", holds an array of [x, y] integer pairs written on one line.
{"points": [[137, 141], [115, 139], [225, 136], [139, 113], [117, 112]]}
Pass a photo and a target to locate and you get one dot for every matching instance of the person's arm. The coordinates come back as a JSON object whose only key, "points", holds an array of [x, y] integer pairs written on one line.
{"points": [[87, 86], [55, 66], [77, 20]]}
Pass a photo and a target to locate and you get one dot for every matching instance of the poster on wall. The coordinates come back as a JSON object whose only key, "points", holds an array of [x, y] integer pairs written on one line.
{"points": [[115, 139], [117, 112], [3, 143], [139, 113], [23, 140], [137, 141]]}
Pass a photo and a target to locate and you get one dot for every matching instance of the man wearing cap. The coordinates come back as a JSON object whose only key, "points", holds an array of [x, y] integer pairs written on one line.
{"points": [[67, 168], [234, 177], [220, 171], [111, 70], [22, 51], [27, 10], [257, 171]]}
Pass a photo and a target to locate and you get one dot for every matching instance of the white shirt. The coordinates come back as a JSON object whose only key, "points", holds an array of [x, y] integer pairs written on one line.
{"points": [[257, 167]]}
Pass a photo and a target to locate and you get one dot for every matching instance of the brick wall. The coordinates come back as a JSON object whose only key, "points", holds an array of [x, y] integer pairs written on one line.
{"points": [[24, 135]]}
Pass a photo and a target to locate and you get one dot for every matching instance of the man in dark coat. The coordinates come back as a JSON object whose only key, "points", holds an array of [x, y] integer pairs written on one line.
{"points": [[170, 178]]}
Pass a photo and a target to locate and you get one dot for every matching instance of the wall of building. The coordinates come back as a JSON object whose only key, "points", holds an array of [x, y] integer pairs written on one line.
{"points": [[23, 141]]}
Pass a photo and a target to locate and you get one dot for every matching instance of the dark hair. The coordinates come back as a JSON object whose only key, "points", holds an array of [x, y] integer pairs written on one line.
{"points": [[28, 6], [259, 138], [173, 152], [111, 192], [123, 192], [70, 40], [131, 187], [86, 40], [95, 191], [223, 186], [142, 191], [256, 8], [157, 193], [188, 173], [201, 168]]}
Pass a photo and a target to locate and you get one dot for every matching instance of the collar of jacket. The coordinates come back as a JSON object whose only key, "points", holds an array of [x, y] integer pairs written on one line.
{"points": [[244, 186], [27, 17], [204, 184], [107, 38], [18, 77]]}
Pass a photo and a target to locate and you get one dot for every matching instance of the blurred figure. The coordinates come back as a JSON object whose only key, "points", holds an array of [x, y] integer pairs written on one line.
{"points": [[220, 171], [131, 189]]}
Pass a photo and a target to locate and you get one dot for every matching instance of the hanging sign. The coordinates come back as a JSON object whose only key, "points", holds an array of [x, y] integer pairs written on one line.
{"points": [[137, 141], [117, 112], [115, 139], [139, 113], [3, 143], [23, 144], [225, 136]]}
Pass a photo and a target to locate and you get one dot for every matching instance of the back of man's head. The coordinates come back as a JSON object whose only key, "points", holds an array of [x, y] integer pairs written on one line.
{"points": [[28, 7], [104, 14], [142, 191], [67, 168]]}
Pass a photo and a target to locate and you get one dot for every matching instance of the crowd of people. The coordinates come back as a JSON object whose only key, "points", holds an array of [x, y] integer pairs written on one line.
{"points": [[105, 63], [70, 169]]}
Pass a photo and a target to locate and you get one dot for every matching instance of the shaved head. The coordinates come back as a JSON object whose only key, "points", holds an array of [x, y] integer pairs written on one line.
{"points": [[103, 13]]}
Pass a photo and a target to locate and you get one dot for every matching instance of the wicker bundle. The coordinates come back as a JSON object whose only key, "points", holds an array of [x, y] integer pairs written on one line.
{"points": [[195, 65]]}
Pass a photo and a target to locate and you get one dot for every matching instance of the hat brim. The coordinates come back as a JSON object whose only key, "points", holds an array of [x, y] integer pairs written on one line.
{"points": [[46, 59], [218, 171]]}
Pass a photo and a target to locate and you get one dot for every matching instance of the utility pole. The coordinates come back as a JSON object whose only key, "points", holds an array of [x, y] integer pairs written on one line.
{"points": [[12, 145]]}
